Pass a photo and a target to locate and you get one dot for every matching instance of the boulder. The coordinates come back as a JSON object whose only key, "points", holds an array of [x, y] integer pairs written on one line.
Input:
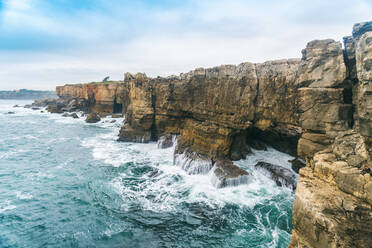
{"points": [[225, 174], [281, 176], [93, 118]]}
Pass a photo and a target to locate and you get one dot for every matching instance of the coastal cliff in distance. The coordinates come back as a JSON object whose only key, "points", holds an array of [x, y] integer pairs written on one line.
{"points": [[27, 94], [318, 108]]}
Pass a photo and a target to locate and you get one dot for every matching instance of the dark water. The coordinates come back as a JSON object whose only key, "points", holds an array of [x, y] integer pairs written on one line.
{"points": [[65, 183]]}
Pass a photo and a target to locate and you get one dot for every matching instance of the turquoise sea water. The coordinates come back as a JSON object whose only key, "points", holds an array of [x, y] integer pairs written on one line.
{"points": [[65, 183]]}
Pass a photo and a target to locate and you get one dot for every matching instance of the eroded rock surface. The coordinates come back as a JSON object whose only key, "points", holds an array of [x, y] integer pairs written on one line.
{"points": [[225, 173], [281, 176]]}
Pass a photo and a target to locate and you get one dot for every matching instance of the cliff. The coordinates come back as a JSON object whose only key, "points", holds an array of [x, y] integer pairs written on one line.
{"points": [[103, 97], [317, 108]]}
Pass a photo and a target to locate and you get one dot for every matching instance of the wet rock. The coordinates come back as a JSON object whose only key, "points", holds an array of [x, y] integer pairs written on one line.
{"points": [[297, 164], [65, 115], [192, 163], [257, 144], [93, 118], [165, 141], [113, 121], [74, 115], [35, 108], [11, 113], [281, 176], [54, 108], [129, 134], [225, 174], [16, 106], [116, 116]]}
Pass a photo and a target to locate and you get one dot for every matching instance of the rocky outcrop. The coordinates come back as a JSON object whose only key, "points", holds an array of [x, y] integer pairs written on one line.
{"points": [[333, 206], [225, 173], [93, 118], [102, 97], [281, 176]]}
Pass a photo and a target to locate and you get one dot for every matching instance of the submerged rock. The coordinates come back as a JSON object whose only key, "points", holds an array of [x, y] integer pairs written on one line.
{"points": [[93, 118], [11, 113], [35, 108], [225, 174], [16, 106], [282, 176]]}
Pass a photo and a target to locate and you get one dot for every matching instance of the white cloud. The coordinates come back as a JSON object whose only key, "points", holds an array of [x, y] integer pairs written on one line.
{"points": [[163, 41]]}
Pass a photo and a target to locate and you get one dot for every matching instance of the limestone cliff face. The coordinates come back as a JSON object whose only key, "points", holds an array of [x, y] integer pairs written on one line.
{"points": [[212, 108], [101, 97], [318, 108], [333, 206]]}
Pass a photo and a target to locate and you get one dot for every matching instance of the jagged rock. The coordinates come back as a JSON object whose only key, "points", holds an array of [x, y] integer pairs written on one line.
{"points": [[165, 141], [93, 118], [101, 97], [297, 164], [360, 28], [54, 108], [226, 174], [129, 134], [322, 65], [281, 176]]}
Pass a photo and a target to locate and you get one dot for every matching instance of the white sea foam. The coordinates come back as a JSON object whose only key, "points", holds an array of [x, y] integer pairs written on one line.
{"points": [[6, 205], [23, 196], [193, 164]]}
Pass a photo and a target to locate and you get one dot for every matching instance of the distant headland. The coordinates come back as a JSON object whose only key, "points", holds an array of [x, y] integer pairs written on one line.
{"points": [[27, 94]]}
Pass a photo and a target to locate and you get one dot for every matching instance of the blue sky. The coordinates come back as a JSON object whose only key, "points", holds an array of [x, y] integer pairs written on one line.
{"points": [[44, 43]]}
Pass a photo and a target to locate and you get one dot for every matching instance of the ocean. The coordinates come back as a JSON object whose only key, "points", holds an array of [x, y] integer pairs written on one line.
{"points": [[66, 183]]}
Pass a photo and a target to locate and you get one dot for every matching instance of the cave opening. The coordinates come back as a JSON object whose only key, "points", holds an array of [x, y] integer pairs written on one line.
{"points": [[280, 138], [118, 107]]}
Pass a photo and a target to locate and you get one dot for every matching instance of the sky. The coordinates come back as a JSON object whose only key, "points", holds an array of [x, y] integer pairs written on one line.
{"points": [[45, 43]]}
